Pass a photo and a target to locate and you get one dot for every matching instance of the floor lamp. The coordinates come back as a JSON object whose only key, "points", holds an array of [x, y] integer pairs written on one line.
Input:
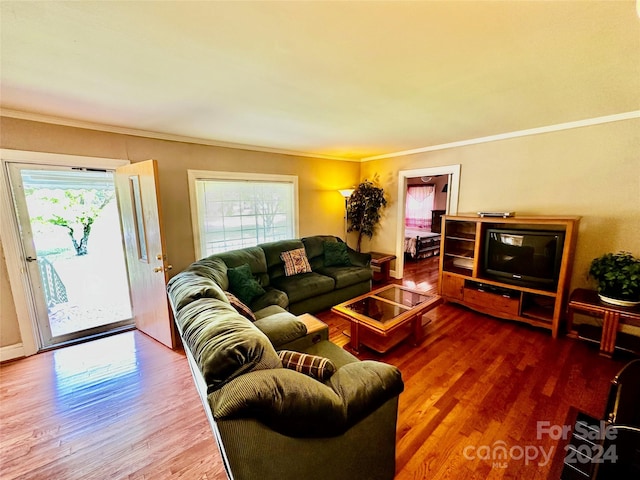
{"points": [[346, 193]]}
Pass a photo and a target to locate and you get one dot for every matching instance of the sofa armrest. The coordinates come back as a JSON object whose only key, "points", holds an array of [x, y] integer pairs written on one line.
{"points": [[364, 386], [359, 259], [294, 404]]}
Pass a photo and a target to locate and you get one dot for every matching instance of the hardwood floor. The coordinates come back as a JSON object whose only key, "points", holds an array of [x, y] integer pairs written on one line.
{"points": [[124, 407]]}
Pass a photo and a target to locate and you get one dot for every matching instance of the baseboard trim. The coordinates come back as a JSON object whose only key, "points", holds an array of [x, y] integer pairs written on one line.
{"points": [[11, 352]]}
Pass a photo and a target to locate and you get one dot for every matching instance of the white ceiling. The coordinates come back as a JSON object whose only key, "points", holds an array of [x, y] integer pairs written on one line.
{"points": [[349, 79]]}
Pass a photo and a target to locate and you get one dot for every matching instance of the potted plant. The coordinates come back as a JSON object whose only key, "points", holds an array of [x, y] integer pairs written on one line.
{"points": [[363, 209], [618, 277]]}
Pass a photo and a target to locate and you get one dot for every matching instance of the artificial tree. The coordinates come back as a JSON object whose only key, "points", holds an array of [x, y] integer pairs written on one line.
{"points": [[363, 209]]}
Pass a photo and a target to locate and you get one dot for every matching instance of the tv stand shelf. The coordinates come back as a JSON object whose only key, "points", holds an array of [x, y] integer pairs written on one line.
{"points": [[463, 281]]}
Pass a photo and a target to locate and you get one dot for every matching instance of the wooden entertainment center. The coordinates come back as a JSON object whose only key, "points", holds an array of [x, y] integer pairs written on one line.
{"points": [[463, 279]]}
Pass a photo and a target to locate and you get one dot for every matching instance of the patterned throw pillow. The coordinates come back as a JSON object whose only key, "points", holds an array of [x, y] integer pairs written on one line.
{"points": [[240, 307], [316, 367], [295, 262]]}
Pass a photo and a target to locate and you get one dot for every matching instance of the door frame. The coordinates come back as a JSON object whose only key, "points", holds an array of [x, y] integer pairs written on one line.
{"points": [[451, 209], [23, 296]]}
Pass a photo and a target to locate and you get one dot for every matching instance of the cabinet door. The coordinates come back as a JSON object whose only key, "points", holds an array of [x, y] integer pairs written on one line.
{"points": [[452, 287]]}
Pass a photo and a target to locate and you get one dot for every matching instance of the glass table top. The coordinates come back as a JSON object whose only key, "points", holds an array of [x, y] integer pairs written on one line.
{"points": [[405, 297], [386, 304]]}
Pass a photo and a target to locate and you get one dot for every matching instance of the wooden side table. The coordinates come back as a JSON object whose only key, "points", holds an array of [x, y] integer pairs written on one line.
{"points": [[587, 301], [382, 261]]}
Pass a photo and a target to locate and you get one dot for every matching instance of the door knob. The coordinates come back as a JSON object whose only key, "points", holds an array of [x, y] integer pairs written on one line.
{"points": [[31, 259]]}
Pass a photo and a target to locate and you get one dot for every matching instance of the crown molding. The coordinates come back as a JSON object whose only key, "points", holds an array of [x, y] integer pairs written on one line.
{"points": [[519, 133], [36, 117], [67, 122]]}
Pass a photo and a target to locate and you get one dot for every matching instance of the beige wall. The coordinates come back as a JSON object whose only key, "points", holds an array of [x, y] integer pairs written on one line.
{"points": [[321, 207], [592, 171]]}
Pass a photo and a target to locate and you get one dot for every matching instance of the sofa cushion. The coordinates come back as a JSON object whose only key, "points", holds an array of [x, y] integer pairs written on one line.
{"points": [[272, 251], [315, 245], [213, 268], [315, 249], [346, 276], [270, 310], [243, 284], [304, 285], [295, 262], [252, 256], [240, 307], [281, 328], [271, 296], [320, 368], [223, 343], [335, 254], [188, 286]]}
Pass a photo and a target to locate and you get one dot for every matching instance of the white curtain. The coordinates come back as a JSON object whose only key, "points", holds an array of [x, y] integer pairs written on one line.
{"points": [[419, 206]]}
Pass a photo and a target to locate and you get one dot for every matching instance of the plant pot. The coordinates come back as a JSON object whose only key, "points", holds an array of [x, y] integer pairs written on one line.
{"points": [[616, 301]]}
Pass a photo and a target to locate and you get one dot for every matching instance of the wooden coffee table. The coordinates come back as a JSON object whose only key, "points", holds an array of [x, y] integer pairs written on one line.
{"points": [[384, 317]]}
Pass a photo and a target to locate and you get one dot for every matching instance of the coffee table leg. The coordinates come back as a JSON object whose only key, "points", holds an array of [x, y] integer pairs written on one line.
{"points": [[355, 337], [418, 333]]}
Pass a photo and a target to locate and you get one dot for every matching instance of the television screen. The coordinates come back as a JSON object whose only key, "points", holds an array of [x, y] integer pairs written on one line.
{"points": [[523, 257]]}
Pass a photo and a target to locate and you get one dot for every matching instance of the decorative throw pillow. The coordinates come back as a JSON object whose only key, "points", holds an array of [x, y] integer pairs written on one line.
{"points": [[335, 254], [240, 307], [243, 284], [295, 262], [314, 366]]}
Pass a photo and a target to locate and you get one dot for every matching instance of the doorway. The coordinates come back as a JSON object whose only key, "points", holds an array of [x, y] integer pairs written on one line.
{"points": [[70, 234], [448, 175]]}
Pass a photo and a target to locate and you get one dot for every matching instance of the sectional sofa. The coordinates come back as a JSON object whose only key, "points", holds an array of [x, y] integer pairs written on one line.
{"points": [[283, 401]]}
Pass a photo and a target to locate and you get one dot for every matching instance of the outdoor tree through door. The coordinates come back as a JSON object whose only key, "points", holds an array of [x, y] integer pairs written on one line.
{"points": [[140, 211]]}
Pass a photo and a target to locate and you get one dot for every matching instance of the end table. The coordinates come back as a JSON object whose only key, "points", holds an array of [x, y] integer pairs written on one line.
{"points": [[382, 261], [588, 302]]}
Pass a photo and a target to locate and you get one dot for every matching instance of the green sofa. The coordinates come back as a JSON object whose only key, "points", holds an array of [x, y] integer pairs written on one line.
{"points": [[320, 289], [273, 418]]}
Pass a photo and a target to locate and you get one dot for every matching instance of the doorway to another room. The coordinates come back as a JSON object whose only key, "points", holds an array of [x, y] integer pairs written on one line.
{"points": [[425, 203], [424, 196]]}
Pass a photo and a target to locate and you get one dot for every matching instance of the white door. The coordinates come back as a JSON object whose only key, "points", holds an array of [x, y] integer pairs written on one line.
{"points": [[72, 250], [141, 215]]}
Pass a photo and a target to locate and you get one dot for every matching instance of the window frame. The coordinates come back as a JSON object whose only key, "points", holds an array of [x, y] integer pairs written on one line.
{"points": [[197, 215]]}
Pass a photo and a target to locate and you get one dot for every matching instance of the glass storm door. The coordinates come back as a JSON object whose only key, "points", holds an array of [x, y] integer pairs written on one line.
{"points": [[73, 247]]}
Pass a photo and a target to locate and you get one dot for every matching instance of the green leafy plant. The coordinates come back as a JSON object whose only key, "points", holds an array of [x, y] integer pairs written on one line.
{"points": [[74, 210], [618, 275], [363, 210]]}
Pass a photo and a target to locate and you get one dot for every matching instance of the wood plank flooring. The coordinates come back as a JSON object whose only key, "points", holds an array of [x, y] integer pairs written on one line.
{"points": [[124, 407]]}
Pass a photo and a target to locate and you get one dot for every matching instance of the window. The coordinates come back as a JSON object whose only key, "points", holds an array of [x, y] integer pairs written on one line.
{"points": [[419, 206], [236, 210]]}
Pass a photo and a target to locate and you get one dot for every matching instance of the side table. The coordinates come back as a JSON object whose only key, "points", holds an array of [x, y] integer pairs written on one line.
{"points": [[588, 302], [382, 261]]}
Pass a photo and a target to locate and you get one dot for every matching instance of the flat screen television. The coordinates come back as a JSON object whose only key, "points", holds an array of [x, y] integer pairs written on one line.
{"points": [[530, 258]]}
